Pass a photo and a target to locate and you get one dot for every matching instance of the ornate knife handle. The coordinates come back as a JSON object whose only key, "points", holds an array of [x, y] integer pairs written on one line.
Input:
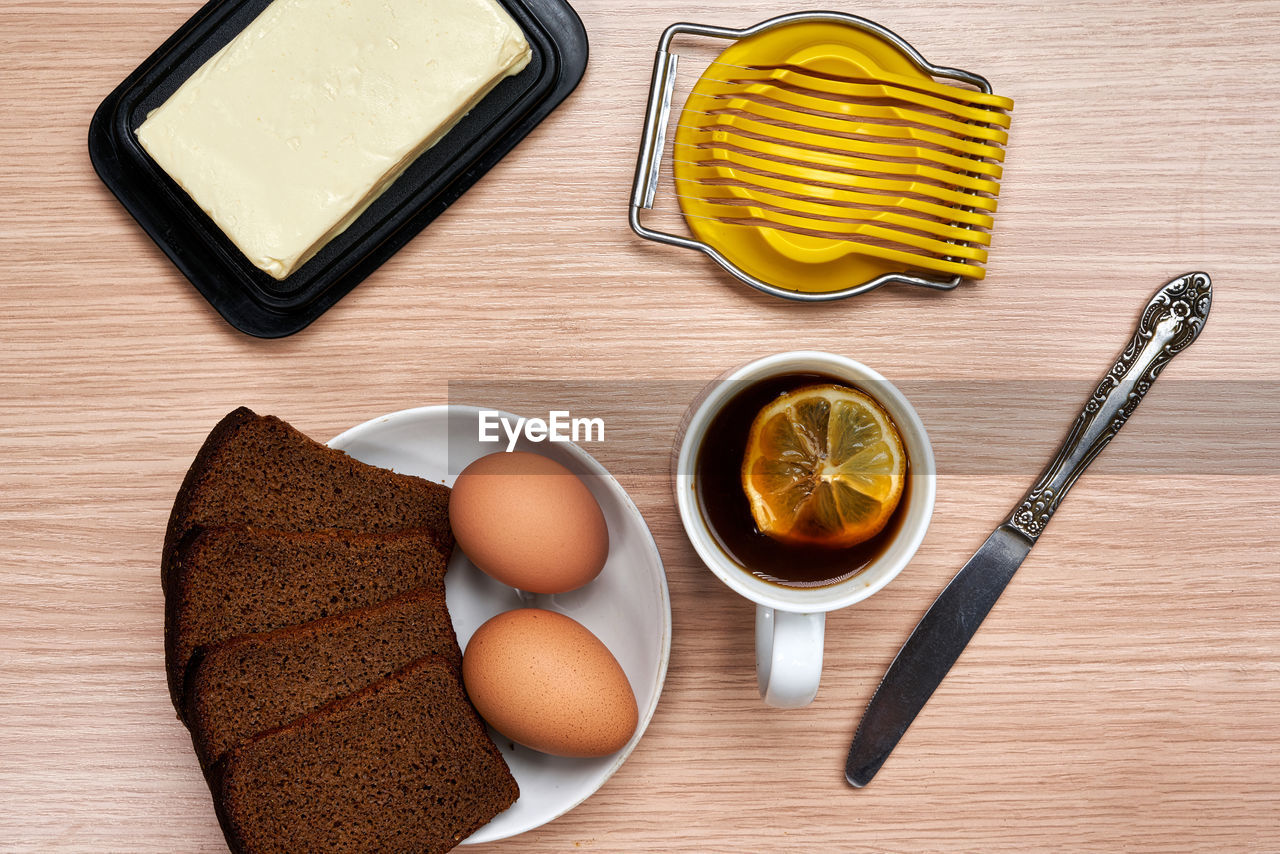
{"points": [[1170, 322]]}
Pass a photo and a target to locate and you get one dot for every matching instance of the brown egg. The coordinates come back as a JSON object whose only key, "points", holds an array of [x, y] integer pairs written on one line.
{"points": [[543, 680], [529, 522]]}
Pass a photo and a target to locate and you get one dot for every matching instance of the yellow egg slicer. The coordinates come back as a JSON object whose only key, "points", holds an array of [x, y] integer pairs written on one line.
{"points": [[821, 156]]}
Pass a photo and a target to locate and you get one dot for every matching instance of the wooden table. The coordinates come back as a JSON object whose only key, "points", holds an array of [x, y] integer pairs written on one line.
{"points": [[1124, 695]]}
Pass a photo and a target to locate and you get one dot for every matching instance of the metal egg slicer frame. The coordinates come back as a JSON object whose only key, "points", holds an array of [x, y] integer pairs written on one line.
{"points": [[821, 156]]}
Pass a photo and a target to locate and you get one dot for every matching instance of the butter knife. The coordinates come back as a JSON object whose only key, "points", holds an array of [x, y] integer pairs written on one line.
{"points": [[1171, 321]]}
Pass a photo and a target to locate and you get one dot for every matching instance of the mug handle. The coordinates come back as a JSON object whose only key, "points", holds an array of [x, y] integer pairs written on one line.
{"points": [[788, 656]]}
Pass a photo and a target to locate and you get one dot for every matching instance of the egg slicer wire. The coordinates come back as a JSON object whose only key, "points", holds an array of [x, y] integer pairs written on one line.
{"points": [[820, 157]]}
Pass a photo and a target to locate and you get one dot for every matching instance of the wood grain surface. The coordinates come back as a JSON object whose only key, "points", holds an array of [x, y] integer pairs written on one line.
{"points": [[1124, 695]]}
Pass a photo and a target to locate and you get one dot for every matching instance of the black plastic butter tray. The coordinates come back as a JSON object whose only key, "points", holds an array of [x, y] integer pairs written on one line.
{"points": [[248, 298]]}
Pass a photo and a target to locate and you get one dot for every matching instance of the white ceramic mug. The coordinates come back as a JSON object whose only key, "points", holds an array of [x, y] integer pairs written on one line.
{"points": [[790, 621]]}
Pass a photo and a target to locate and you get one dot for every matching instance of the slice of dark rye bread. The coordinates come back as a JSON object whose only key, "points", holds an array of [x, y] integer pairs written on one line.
{"points": [[257, 470], [403, 765], [236, 581], [252, 683]]}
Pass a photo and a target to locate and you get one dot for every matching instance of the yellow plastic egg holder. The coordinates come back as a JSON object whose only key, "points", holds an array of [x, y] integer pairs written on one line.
{"points": [[819, 157]]}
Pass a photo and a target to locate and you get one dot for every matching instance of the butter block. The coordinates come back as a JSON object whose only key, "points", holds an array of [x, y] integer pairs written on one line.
{"points": [[289, 132]]}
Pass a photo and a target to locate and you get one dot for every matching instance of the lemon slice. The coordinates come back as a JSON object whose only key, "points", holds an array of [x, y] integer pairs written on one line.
{"points": [[824, 466]]}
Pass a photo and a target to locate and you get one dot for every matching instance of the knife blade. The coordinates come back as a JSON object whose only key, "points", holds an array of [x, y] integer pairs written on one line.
{"points": [[1169, 324], [932, 648]]}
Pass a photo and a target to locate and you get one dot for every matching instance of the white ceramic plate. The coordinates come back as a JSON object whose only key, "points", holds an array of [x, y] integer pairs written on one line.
{"points": [[626, 606]]}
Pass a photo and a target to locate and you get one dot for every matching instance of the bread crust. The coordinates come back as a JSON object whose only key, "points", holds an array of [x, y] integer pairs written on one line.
{"points": [[251, 683], [178, 526], [244, 445], [239, 580], [432, 680]]}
